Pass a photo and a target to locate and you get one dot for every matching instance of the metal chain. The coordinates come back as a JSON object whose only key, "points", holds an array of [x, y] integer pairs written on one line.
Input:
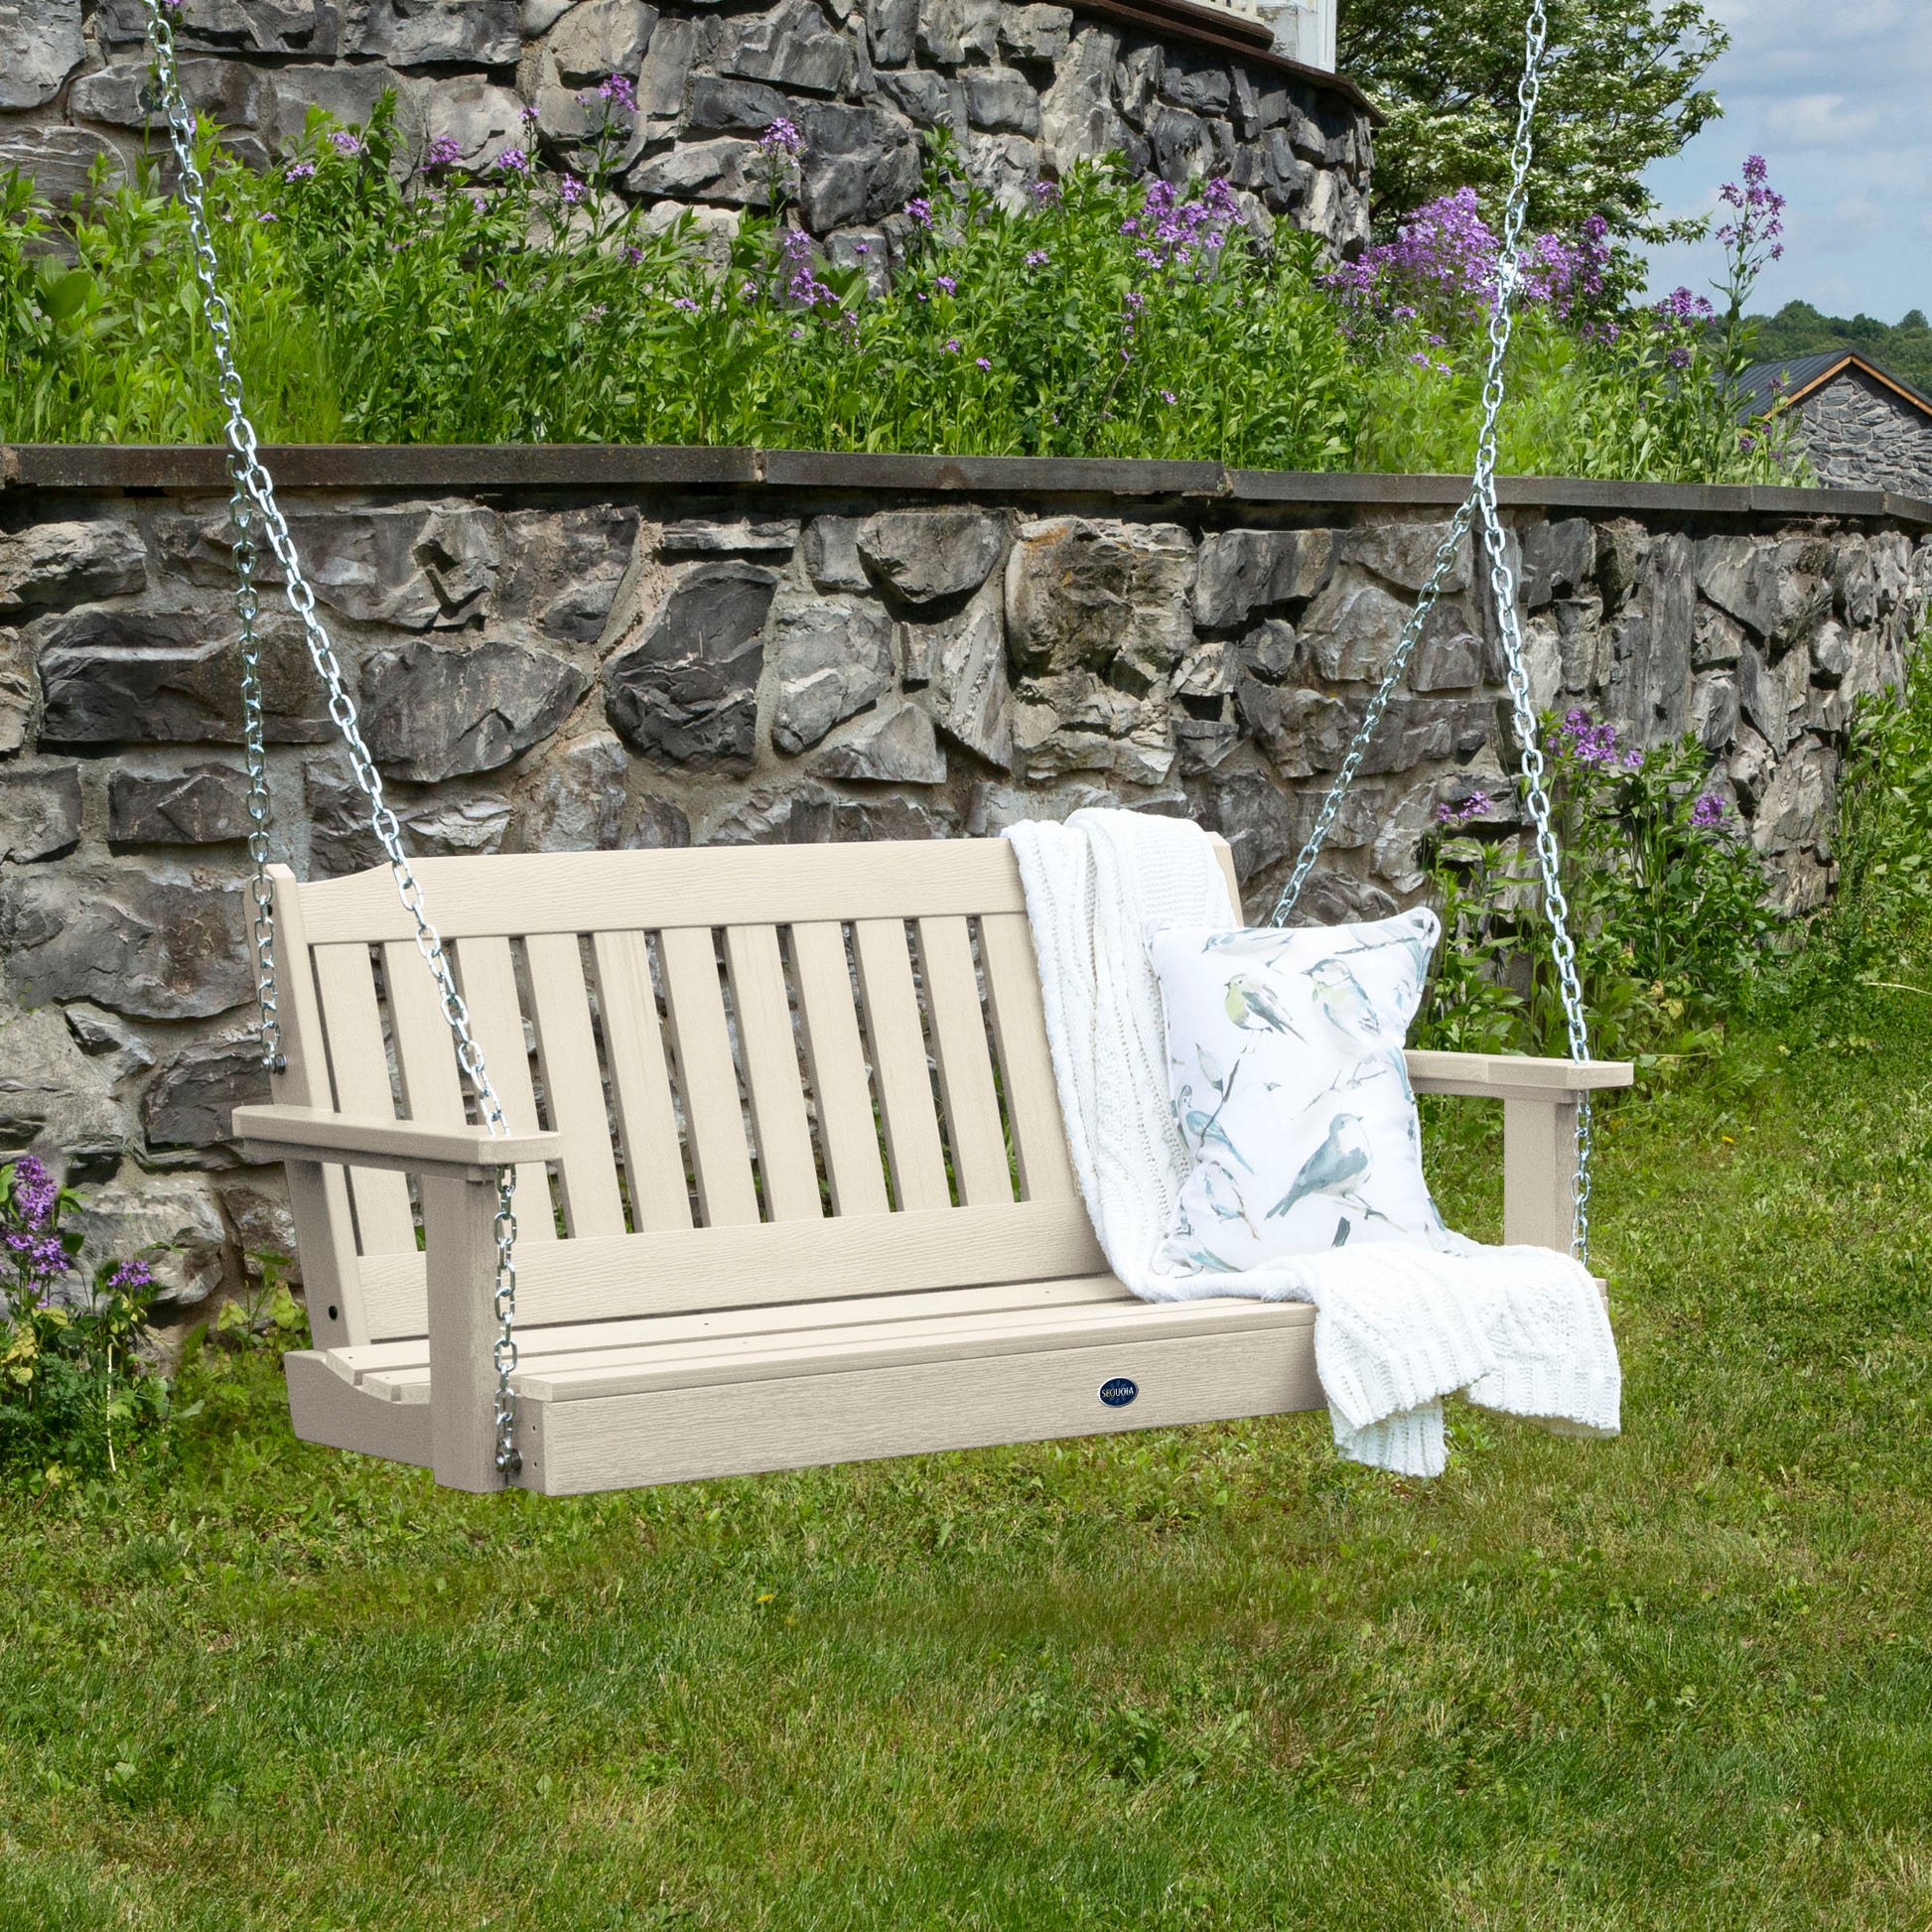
{"points": [[254, 488], [247, 604], [1480, 506]]}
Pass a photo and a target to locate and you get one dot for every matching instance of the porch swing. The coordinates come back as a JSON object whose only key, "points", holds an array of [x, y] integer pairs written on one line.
{"points": [[869, 1271]]}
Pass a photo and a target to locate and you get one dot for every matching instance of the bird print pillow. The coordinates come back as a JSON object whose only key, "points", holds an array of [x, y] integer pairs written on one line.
{"points": [[1288, 1086]]}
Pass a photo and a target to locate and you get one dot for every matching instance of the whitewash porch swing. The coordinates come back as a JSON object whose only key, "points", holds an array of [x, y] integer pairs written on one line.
{"points": [[812, 1194]]}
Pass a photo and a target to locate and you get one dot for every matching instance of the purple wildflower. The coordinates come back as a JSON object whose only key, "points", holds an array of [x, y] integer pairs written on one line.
{"points": [[1168, 397], [945, 284], [345, 143], [529, 115], [618, 90], [1045, 193], [1473, 806], [514, 161], [783, 137], [952, 344], [442, 152], [1036, 258], [1752, 237], [685, 303], [267, 215], [1707, 811], [35, 1192], [920, 210], [570, 189], [130, 1276], [301, 170], [979, 362], [1587, 742], [802, 284]]}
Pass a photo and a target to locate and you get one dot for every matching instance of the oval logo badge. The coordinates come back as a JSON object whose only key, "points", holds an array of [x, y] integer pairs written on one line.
{"points": [[1118, 1391]]}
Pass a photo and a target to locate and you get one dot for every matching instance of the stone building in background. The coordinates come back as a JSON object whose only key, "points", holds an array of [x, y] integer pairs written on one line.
{"points": [[1859, 426], [1181, 89]]}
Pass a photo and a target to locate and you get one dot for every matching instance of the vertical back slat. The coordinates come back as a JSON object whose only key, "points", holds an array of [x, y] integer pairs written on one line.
{"points": [[487, 974], [836, 1056], [898, 1064], [1025, 1064], [979, 1146], [708, 1076], [355, 1023], [431, 1088], [653, 1156], [764, 1010], [573, 1084]]}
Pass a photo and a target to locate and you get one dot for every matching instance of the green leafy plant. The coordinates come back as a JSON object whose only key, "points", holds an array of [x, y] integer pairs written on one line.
{"points": [[1666, 896], [72, 1381]]}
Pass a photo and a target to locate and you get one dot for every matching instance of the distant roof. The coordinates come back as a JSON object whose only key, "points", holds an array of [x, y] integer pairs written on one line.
{"points": [[1761, 390]]}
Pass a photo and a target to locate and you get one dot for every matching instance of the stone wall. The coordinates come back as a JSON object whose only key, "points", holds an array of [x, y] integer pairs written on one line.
{"points": [[564, 649], [1861, 434], [1026, 89]]}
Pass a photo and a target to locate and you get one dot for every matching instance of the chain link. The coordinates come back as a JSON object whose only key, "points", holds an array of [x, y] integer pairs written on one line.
{"points": [[1480, 508], [254, 504]]}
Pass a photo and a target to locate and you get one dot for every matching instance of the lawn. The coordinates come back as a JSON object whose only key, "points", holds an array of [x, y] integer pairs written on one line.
{"points": [[1205, 1678]]}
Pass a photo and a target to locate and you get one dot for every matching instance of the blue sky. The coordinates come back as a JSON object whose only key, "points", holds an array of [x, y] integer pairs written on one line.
{"points": [[1838, 98]]}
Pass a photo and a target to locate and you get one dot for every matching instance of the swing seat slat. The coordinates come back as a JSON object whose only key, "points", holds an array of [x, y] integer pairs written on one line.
{"points": [[792, 1184]]}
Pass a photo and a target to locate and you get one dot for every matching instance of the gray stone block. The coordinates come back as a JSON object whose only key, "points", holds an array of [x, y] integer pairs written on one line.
{"points": [[737, 536], [566, 567], [40, 46], [190, 1102], [892, 27], [890, 747], [432, 712], [953, 31], [1100, 593], [598, 38], [573, 799], [928, 555], [1351, 629], [200, 804], [57, 160], [1245, 571], [40, 810], [1034, 33], [832, 558], [16, 691], [1559, 560], [834, 658], [793, 45], [157, 948], [108, 1040], [687, 691], [308, 28], [447, 33], [1404, 554], [861, 164], [931, 99], [173, 1222], [657, 824], [135, 677], [1003, 99], [55, 1101], [230, 92], [50, 566]]}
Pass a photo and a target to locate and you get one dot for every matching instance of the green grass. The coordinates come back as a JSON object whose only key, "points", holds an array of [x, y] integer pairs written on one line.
{"points": [[1205, 1678]]}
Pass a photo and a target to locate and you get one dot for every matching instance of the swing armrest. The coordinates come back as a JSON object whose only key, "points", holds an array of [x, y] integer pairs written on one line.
{"points": [[408, 1147], [1514, 1076]]}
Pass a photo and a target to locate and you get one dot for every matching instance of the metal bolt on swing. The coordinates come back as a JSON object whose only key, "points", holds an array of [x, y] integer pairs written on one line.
{"points": [[1479, 509], [252, 508]]}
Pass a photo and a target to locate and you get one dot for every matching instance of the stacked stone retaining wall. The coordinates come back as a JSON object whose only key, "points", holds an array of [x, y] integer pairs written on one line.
{"points": [[562, 649], [1026, 89]]}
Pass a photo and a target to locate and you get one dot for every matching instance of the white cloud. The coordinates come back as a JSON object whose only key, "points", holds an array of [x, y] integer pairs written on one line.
{"points": [[1821, 120]]}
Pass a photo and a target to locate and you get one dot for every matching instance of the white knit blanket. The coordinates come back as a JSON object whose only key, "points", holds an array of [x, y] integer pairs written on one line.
{"points": [[1397, 1326]]}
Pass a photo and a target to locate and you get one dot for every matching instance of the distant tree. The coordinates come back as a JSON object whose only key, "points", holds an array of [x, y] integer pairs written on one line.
{"points": [[1904, 347], [1621, 91]]}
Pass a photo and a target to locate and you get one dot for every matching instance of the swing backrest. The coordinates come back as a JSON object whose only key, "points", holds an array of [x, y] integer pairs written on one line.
{"points": [[779, 1074]]}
